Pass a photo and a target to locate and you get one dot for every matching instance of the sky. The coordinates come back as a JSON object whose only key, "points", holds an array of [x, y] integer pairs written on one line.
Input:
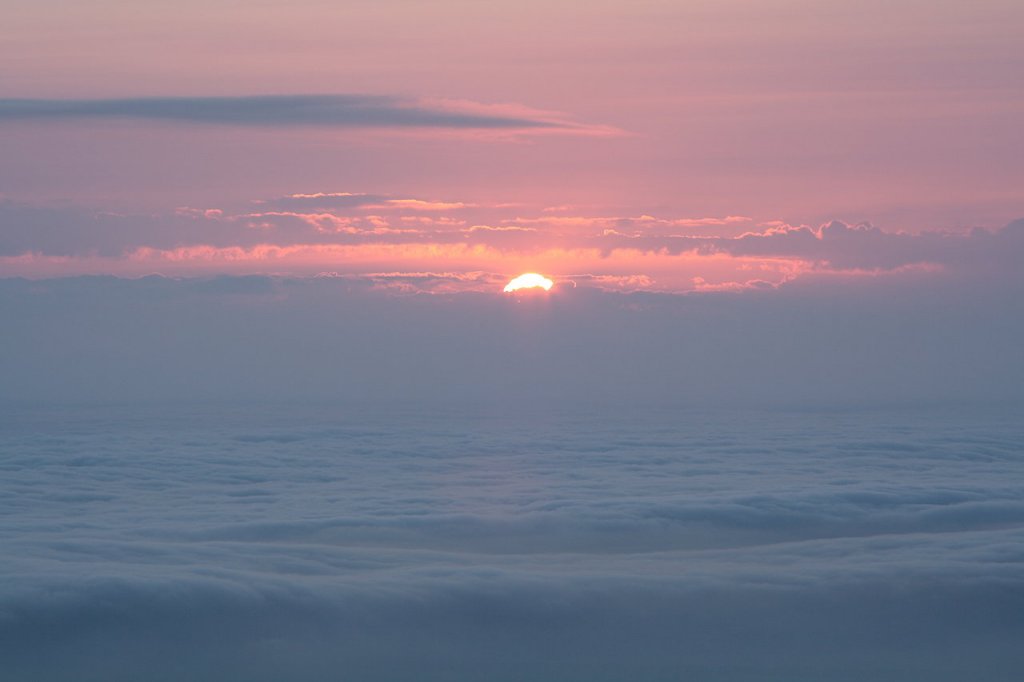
{"points": [[576, 138], [760, 183]]}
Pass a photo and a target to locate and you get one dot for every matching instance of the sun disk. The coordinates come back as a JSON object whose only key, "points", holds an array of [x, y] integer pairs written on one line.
{"points": [[530, 280]]}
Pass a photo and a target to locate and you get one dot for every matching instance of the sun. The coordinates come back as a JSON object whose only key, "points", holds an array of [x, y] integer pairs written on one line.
{"points": [[529, 280]]}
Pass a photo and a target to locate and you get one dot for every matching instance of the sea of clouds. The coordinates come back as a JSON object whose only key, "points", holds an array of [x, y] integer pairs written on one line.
{"points": [[265, 478], [328, 543]]}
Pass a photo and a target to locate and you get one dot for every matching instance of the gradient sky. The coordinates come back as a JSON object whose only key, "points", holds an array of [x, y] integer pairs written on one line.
{"points": [[655, 145]]}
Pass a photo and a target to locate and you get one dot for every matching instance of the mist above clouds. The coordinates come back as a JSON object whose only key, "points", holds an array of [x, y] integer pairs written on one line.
{"points": [[907, 339]]}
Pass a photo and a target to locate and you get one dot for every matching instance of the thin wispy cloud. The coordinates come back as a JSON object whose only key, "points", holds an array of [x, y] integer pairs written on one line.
{"points": [[283, 111]]}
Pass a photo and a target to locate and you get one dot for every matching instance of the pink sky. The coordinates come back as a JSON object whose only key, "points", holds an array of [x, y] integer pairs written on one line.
{"points": [[645, 124]]}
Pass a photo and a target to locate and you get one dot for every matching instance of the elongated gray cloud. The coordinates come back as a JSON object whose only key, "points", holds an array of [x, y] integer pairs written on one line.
{"points": [[364, 111]]}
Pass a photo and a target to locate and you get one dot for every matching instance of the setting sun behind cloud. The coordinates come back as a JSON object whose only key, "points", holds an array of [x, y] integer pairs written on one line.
{"points": [[529, 280]]}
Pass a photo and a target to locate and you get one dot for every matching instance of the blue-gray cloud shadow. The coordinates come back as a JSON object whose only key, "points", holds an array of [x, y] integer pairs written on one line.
{"points": [[364, 111]]}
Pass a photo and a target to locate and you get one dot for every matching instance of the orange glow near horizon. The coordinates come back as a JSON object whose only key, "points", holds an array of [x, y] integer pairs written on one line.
{"points": [[468, 267], [529, 280]]}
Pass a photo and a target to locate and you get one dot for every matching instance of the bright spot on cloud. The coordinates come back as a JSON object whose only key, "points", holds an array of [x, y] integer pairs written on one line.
{"points": [[528, 281]]}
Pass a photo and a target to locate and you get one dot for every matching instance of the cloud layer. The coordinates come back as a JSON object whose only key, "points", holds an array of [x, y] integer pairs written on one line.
{"points": [[362, 234], [315, 543]]}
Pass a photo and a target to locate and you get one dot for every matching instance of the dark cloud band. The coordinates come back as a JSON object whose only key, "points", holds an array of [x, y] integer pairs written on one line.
{"points": [[269, 110]]}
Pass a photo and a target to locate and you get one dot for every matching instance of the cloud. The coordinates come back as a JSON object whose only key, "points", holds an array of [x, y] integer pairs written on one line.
{"points": [[431, 282], [326, 200], [346, 111], [841, 246], [306, 233], [355, 200], [838, 247], [499, 228], [421, 205], [613, 282], [293, 542]]}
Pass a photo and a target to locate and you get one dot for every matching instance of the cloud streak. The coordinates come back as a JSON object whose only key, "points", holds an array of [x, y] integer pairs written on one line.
{"points": [[335, 111]]}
